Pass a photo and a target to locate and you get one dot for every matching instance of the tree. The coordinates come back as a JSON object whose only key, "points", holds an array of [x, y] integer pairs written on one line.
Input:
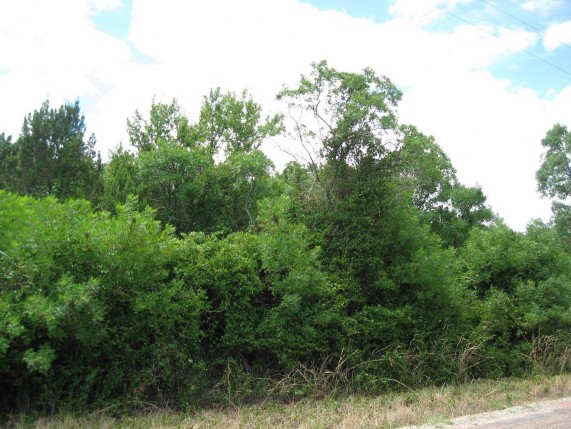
{"points": [[166, 124], [178, 172], [180, 184], [248, 176], [233, 124], [52, 157], [352, 119], [119, 179], [425, 168], [364, 207], [554, 177], [7, 161], [451, 209]]}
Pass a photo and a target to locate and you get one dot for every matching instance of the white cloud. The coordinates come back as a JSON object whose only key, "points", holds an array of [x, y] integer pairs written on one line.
{"points": [[492, 135], [491, 131], [52, 49], [557, 35], [102, 5], [422, 12], [540, 5]]}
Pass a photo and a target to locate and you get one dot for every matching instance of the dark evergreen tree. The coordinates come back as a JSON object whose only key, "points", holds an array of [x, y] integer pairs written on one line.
{"points": [[52, 156]]}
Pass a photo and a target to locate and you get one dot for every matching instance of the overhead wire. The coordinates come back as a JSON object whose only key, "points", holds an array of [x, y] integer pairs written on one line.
{"points": [[497, 37], [533, 27]]}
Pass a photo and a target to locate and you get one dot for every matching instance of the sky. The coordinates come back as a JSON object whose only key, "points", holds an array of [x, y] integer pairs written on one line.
{"points": [[486, 78]]}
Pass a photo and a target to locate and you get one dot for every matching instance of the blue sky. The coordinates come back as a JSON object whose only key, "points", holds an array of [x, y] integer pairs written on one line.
{"points": [[115, 22], [473, 76], [377, 11]]}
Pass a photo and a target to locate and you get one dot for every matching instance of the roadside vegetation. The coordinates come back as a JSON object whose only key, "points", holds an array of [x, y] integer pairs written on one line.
{"points": [[433, 405], [187, 274]]}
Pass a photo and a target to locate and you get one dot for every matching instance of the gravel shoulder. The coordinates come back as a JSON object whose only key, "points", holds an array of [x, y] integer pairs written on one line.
{"points": [[554, 414]]}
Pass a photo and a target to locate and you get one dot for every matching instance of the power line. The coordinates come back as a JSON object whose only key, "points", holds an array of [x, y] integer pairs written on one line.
{"points": [[497, 37], [537, 30]]}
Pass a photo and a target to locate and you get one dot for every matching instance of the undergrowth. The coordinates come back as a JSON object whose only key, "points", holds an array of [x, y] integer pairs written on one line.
{"points": [[389, 410]]}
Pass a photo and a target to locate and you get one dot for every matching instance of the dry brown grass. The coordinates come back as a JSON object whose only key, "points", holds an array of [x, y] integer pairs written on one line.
{"points": [[551, 354], [386, 411]]}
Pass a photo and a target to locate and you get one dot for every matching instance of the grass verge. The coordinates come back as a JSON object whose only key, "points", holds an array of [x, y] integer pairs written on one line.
{"points": [[386, 411]]}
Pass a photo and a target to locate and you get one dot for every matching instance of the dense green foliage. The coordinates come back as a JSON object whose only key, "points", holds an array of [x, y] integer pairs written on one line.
{"points": [[176, 172], [196, 273]]}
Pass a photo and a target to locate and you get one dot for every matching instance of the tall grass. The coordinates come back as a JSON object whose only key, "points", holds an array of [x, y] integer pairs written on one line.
{"points": [[436, 404], [551, 354]]}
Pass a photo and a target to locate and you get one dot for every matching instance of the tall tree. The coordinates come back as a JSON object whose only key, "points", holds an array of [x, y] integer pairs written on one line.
{"points": [[364, 206], [451, 209], [52, 156], [554, 177], [179, 183], [166, 123], [231, 124], [119, 179], [201, 177], [7, 161], [352, 120]]}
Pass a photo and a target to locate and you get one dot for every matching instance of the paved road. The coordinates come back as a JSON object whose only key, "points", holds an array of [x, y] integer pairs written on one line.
{"points": [[544, 415]]}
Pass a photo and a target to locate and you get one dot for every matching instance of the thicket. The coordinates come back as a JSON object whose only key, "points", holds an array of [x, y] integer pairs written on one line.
{"points": [[197, 274]]}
